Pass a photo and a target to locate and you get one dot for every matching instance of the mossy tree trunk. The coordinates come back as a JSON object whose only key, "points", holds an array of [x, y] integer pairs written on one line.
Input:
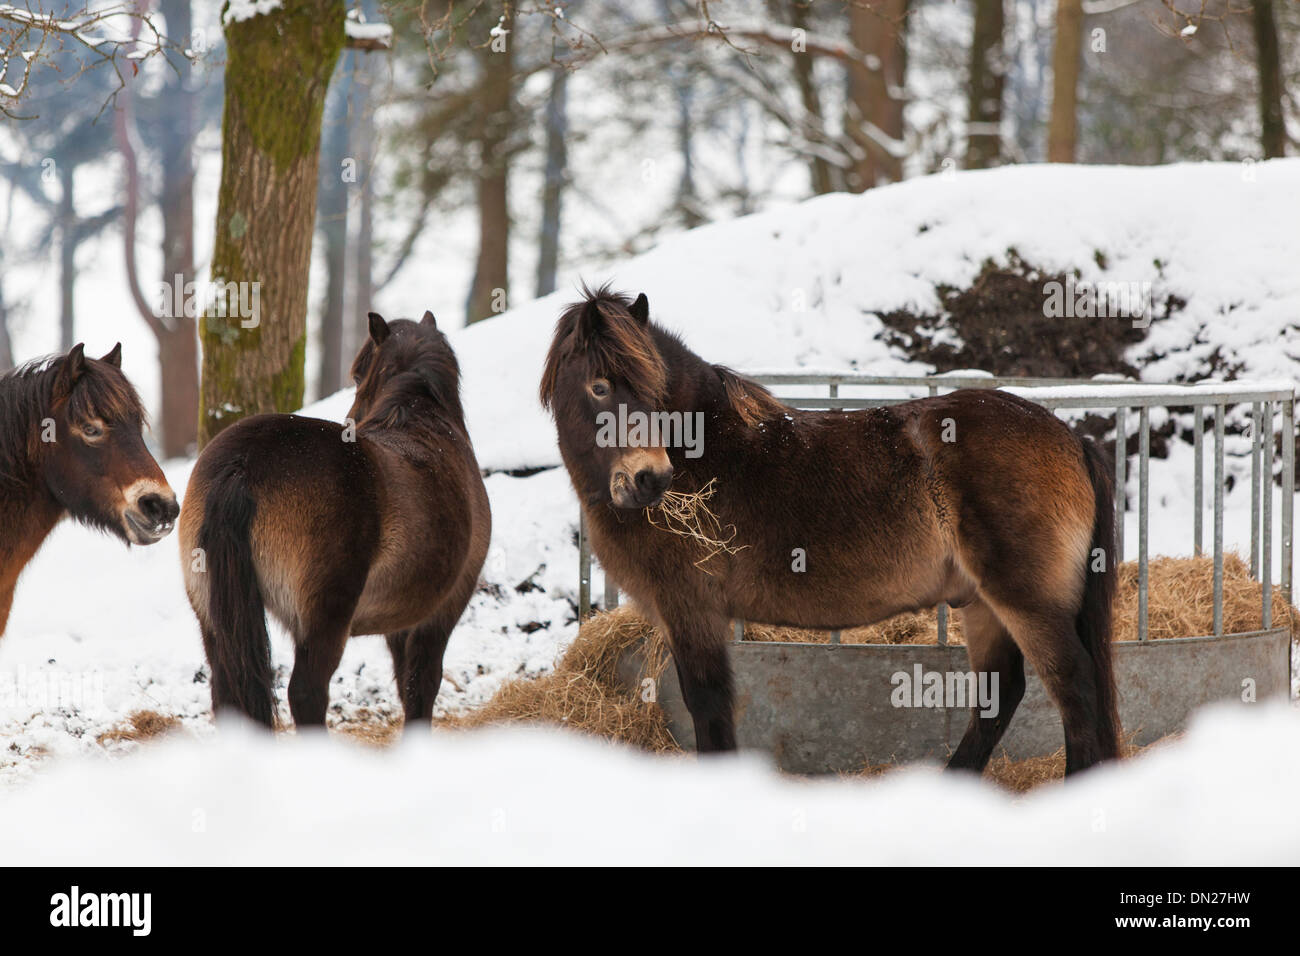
{"points": [[278, 67]]}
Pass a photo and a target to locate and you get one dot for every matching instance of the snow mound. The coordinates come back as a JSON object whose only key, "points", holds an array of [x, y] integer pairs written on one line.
{"points": [[802, 286], [534, 796]]}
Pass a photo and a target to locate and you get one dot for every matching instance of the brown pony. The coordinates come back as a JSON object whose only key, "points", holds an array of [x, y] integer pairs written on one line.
{"points": [[977, 498], [71, 444], [378, 527]]}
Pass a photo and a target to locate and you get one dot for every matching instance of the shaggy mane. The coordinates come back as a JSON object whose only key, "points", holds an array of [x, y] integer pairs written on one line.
{"points": [[601, 332], [27, 397], [751, 401]]}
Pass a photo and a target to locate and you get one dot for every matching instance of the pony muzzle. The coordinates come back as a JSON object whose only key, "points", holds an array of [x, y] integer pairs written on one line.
{"points": [[641, 478], [150, 512]]}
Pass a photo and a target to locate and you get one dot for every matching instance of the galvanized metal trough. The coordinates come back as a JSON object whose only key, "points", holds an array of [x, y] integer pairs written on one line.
{"points": [[820, 708]]}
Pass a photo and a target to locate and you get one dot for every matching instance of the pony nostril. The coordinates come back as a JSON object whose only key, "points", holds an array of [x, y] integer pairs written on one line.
{"points": [[157, 509], [650, 483]]}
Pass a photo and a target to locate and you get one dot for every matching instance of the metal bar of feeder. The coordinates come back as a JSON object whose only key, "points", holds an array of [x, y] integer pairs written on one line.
{"points": [[1144, 488], [1266, 532], [584, 569], [1121, 479], [941, 621], [1198, 481], [1254, 489], [1288, 490], [1218, 520]]}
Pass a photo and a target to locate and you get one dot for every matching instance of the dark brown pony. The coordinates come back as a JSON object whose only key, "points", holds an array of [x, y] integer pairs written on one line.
{"points": [[71, 444], [379, 527], [977, 498]]}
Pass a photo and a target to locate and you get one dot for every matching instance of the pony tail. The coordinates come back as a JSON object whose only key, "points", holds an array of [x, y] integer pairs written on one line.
{"points": [[1094, 618], [235, 637]]}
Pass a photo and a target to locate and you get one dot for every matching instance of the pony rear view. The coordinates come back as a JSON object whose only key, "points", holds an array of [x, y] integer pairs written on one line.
{"points": [[381, 526]]}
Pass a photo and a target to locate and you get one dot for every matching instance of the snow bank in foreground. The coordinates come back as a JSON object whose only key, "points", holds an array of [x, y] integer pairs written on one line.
{"points": [[1223, 795]]}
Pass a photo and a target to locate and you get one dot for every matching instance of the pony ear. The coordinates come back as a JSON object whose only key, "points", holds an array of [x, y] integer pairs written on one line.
{"points": [[640, 309], [114, 358], [429, 321], [73, 367], [378, 328], [589, 323]]}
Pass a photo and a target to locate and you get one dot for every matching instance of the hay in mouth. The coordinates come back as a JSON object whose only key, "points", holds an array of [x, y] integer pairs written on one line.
{"points": [[687, 514]]}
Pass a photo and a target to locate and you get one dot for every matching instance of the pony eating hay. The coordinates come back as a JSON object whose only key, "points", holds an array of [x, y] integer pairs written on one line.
{"points": [[977, 498], [336, 533]]}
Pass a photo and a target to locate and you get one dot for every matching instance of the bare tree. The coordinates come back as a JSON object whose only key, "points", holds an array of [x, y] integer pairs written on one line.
{"points": [[1268, 64], [111, 36], [1067, 60], [492, 131], [171, 320], [874, 124], [987, 78]]}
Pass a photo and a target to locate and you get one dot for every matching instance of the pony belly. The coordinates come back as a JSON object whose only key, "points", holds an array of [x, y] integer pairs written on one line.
{"points": [[401, 591], [845, 600]]}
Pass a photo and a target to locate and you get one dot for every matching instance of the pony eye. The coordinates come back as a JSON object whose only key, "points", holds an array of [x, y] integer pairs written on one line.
{"points": [[600, 388], [91, 430]]}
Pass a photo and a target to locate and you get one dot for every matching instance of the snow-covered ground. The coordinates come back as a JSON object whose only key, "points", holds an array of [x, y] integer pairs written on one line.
{"points": [[1223, 795], [99, 632]]}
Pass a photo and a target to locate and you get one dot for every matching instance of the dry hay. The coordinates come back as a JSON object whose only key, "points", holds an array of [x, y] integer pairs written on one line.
{"points": [[371, 727], [688, 515], [1021, 776], [140, 725], [584, 691]]}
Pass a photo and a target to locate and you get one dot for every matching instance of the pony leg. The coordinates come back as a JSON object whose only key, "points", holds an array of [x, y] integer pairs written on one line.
{"points": [[425, 646], [700, 654], [397, 648], [315, 660], [1051, 644], [990, 649]]}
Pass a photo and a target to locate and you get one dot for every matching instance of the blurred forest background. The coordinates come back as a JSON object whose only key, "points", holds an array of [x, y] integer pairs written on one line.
{"points": [[464, 156]]}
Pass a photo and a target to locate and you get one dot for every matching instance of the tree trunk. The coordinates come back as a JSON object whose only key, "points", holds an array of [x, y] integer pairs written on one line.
{"points": [[820, 175], [874, 96], [1271, 122], [361, 132], [67, 257], [332, 219], [490, 290], [278, 67], [987, 77], [6, 343], [1067, 59], [178, 352], [557, 131]]}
